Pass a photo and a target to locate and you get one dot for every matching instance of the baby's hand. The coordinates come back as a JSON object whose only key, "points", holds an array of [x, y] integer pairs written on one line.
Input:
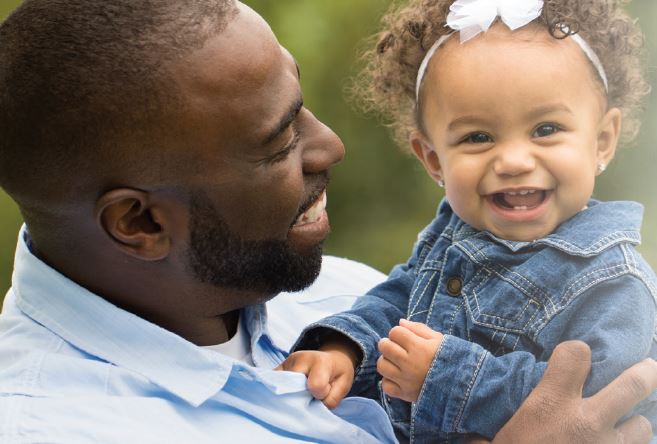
{"points": [[406, 356], [330, 371]]}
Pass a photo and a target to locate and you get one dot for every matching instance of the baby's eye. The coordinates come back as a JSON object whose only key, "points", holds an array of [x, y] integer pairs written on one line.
{"points": [[478, 138], [546, 129]]}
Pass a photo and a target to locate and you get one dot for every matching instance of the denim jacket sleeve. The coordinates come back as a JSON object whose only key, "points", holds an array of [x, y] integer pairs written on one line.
{"points": [[468, 390], [369, 320]]}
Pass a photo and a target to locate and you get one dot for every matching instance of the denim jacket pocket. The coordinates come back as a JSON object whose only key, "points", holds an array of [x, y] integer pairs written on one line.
{"points": [[503, 308]]}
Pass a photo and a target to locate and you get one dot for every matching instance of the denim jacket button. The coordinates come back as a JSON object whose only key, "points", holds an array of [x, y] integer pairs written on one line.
{"points": [[454, 285]]}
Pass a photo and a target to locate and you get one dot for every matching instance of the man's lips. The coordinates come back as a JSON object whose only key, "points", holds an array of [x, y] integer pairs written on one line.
{"points": [[314, 212]]}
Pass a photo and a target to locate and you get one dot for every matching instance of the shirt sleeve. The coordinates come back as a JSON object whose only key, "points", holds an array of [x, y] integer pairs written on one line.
{"points": [[468, 390]]}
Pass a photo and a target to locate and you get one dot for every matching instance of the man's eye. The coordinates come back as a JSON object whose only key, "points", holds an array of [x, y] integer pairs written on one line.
{"points": [[285, 152], [478, 138], [546, 129]]}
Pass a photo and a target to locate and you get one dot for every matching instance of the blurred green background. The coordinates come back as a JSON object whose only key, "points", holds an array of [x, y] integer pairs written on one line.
{"points": [[380, 198]]}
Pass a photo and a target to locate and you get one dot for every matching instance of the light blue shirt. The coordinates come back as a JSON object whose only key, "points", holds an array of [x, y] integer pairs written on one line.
{"points": [[77, 369]]}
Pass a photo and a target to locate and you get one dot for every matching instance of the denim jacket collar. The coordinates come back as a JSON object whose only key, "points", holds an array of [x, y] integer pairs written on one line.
{"points": [[582, 235], [98, 328]]}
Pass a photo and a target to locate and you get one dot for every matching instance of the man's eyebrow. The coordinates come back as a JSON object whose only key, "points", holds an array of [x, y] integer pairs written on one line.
{"points": [[285, 121]]}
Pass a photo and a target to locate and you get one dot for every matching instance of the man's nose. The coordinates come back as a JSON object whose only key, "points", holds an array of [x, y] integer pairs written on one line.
{"points": [[322, 148], [514, 159]]}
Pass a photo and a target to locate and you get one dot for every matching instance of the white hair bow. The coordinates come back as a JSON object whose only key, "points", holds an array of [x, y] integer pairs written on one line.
{"points": [[472, 17]]}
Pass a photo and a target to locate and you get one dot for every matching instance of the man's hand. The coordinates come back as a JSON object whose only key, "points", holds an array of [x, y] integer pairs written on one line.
{"points": [[330, 371], [555, 411], [406, 356]]}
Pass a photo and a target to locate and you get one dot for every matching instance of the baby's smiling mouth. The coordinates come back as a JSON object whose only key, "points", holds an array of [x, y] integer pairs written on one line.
{"points": [[520, 199]]}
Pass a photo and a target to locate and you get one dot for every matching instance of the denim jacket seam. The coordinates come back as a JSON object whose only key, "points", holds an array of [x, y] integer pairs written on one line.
{"points": [[424, 388], [525, 330], [478, 308], [515, 344], [430, 265], [592, 278], [532, 293], [571, 294], [597, 247], [438, 285], [476, 299], [420, 298], [466, 397], [630, 257], [423, 252]]}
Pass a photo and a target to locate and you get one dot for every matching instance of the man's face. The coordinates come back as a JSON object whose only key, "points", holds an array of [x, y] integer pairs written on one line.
{"points": [[259, 162]]}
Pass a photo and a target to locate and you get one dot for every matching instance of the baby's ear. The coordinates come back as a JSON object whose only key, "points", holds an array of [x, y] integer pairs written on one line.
{"points": [[608, 135], [424, 151]]}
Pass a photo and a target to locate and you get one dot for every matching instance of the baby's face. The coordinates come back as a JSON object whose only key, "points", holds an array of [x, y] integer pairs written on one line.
{"points": [[517, 126]]}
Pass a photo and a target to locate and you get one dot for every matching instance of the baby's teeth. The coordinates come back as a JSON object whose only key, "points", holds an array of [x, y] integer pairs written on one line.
{"points": [[520, 208], [524, 192]]}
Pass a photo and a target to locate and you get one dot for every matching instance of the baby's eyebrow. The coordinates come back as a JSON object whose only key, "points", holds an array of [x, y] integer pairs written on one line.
{"points": [[466, 120], [547, 109]]}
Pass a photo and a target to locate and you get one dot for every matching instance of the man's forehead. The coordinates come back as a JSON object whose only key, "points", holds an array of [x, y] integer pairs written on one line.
{"points": [[242, 81]]}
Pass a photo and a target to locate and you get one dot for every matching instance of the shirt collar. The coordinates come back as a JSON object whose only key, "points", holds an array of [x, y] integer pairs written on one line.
{"points": [[600, 226], [101, 329]]}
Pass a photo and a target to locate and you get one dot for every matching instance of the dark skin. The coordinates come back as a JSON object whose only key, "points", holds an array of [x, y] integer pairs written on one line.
{"points": [[244, 140], [231, 141]]}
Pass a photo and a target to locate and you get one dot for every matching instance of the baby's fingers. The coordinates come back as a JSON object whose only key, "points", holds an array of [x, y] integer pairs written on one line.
{"points": [[299, 362], [391, 388], [388, 369], [319, 380], [392, 351], [420, 329], [338, 390]]}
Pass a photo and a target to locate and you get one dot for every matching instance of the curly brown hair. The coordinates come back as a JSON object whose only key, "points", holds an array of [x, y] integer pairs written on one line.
{"points": [[386, 85]]}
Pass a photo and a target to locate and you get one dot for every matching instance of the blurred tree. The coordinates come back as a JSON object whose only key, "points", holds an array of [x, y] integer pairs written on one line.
{"points": [[380, 198]]}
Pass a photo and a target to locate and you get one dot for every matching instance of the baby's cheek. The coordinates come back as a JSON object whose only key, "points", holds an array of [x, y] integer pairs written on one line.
{"points": [[468, 206]]}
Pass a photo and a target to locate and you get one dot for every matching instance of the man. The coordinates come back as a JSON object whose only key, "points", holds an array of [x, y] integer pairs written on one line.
{"points": [[172, 182]]}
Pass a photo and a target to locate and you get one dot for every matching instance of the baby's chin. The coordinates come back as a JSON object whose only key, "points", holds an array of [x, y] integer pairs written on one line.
{"points": [[521, 232]]}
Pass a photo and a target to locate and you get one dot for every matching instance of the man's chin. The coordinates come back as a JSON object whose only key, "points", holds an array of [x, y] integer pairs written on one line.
{"points": [[221, 258]]}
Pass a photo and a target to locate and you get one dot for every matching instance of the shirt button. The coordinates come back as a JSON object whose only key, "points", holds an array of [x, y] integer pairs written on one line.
{"points": [[454, 285]]}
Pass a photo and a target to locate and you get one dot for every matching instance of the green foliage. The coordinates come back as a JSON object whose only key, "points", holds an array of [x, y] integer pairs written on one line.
{"points": [[380, 198]]}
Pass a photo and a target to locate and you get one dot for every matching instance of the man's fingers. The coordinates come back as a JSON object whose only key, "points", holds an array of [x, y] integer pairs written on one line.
{"points": [[624, 392], [567, 370], [636, 430], [420, 329]]}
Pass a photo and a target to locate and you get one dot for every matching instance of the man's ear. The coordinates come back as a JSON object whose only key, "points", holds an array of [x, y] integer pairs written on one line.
{"points": [[133, 223], [426, 154], [608, 135]]}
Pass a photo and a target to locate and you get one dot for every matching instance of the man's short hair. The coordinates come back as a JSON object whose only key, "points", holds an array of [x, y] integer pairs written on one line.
{"points": [[80, 77]]}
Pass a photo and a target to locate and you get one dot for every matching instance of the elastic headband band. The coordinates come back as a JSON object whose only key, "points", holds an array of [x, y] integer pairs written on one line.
{"points": [[471, 17]]}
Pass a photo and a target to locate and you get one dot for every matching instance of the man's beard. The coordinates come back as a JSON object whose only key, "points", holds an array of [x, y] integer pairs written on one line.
{"points": [[221, 258]]}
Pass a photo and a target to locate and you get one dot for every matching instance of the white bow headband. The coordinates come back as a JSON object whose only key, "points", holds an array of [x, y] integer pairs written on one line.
{"points": [[471, 17]]}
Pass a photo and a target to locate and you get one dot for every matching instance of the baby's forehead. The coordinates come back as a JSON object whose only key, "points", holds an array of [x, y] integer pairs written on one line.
{"points": [[499, 48], [534, 38]]}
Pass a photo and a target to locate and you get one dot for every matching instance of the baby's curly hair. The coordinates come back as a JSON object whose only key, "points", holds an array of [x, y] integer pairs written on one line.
{"points": [[386, 85]]}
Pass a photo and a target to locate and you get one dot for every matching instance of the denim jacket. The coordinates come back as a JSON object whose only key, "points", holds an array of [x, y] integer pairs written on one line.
{"points": [[503, 307]]}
